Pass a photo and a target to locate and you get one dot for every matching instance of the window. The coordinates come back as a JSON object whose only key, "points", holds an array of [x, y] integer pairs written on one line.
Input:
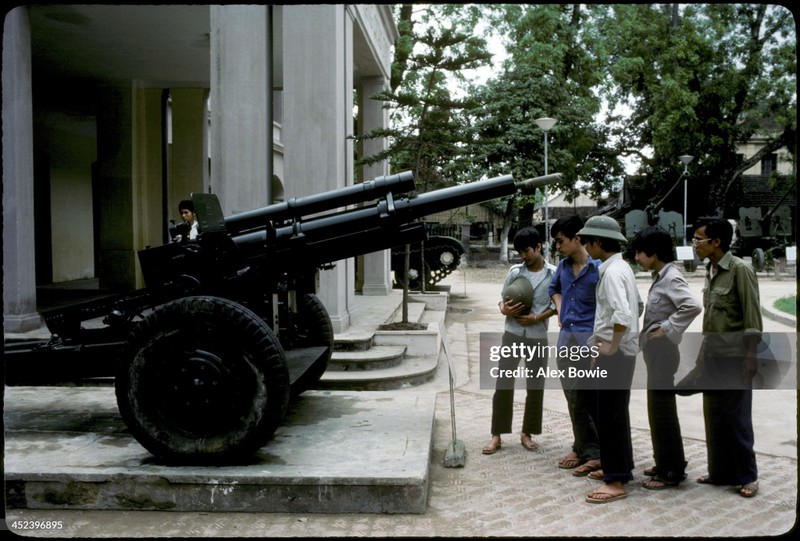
{"points": [[769, 164]]}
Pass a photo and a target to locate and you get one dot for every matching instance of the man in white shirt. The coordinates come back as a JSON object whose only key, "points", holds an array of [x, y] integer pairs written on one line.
{"points": [[615, 339], [186, 208]]}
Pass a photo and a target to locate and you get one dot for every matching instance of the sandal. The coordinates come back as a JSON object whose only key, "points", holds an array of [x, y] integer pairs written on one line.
{"points": [[570, 462], [597, 475], [705, 480], [748, 490], [492, 447], [527, 442], [659, 483], [587, 468], [650, 472], [604, 497]]}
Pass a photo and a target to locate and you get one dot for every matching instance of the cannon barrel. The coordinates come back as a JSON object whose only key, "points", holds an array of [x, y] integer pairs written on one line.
{"points": [[386, 214], [312, 204], [345, 234]]}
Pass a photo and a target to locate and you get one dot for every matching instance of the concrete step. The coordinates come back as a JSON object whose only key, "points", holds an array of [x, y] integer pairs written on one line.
{"points": [[336, 452], [412, 371], [375, 358], [353, 341]]}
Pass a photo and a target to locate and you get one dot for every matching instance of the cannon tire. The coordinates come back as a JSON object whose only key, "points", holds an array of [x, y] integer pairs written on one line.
{"points": [[313, 327], [202, 380], [758, 259]]}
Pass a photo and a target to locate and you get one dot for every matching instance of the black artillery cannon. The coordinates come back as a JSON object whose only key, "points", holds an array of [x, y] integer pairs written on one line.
{"points": [[229, 327]]}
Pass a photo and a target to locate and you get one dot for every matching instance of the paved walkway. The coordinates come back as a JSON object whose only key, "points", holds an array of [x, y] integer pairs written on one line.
{"points": [[516, 493]]}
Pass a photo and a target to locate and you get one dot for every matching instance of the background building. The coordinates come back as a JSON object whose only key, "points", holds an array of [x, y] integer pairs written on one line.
{"points": [[114, 113]]}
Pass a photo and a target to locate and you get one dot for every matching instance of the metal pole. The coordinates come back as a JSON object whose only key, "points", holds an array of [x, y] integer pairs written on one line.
{"points": [[685, 222], [685, 160], [546, 214]]}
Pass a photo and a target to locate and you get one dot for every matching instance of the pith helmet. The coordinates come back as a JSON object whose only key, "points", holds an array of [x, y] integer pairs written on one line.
{"points": [[602, 226], [519, 290]]}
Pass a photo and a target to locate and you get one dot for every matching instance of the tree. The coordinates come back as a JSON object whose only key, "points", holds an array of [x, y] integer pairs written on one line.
{"points": [[427, 133], [552, 70], [700, 79]]}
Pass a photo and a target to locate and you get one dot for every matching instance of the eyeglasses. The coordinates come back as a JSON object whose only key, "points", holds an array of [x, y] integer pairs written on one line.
{"points": [[696, 241]]}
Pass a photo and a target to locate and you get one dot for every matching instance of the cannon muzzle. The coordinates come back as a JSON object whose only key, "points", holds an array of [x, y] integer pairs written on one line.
{"points": [[529, 186]]}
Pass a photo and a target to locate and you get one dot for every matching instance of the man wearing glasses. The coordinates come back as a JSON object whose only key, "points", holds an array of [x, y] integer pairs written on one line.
{"points": [[731, 332]]}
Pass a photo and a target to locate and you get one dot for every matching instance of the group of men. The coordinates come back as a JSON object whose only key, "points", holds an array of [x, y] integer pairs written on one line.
{"points": [[593, 294]]}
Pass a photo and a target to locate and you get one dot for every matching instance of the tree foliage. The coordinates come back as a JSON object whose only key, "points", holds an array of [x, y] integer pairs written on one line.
{"points": [[427, 134], [701, 79], [637, 82]]}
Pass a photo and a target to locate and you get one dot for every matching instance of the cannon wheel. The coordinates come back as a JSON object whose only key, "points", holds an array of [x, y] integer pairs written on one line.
{"points": [[758, 259], [312, 327], [202, 379]]}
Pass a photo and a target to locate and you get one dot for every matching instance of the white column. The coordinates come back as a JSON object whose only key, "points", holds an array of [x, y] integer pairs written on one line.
{"points": [[318, 117], [19, 265], [241, 130], [377, 265]]}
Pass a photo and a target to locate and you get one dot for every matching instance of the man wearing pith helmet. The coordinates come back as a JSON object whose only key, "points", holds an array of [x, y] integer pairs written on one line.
{"points": [[615, 338]]}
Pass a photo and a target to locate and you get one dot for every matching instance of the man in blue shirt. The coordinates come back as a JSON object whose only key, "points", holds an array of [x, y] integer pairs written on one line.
{"points": [[573, 291]]}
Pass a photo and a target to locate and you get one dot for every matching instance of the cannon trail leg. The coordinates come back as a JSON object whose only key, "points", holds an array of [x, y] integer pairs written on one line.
{"points": [[202, 379], [312, 327]]}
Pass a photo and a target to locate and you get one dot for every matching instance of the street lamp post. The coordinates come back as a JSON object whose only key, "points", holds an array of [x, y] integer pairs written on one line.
{"points": [[545, 124], [686, 160]]}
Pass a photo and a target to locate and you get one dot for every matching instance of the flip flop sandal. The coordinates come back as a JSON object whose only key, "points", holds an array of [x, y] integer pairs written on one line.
{"points": [[569, 463], [492, 449], [586, 469], [531, 445], [705, 480], [662, 484], [608, 499], [751, 488], [597, 475]]}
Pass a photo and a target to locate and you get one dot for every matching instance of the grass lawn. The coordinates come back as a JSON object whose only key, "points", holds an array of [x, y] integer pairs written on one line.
{"points": [[787, 304]]}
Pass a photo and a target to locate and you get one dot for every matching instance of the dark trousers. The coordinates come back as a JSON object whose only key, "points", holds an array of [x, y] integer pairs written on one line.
{"points": [[728, 415], [729, 436], [581, 403], [662, 358], [613, 420], [503, 400]]}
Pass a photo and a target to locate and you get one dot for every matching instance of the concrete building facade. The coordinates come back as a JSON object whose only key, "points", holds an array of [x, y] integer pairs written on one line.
{"points": [[113, 114]]}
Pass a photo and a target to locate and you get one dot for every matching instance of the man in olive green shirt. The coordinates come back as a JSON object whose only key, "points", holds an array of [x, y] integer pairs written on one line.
{"points": [[731, 332]]}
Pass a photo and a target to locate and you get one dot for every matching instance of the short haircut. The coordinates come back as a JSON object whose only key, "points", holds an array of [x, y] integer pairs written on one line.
{"points": [[611, 246], [567, 226], [186, 204], [654, 240], [527, 237], [716, 228]]}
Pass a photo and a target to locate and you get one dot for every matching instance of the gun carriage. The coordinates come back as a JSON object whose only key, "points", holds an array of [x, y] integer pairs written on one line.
{"points": [[764, 237], [229, 327]]}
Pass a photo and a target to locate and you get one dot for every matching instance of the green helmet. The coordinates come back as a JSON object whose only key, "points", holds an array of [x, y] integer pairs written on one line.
{"points": [[519, 290]]}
